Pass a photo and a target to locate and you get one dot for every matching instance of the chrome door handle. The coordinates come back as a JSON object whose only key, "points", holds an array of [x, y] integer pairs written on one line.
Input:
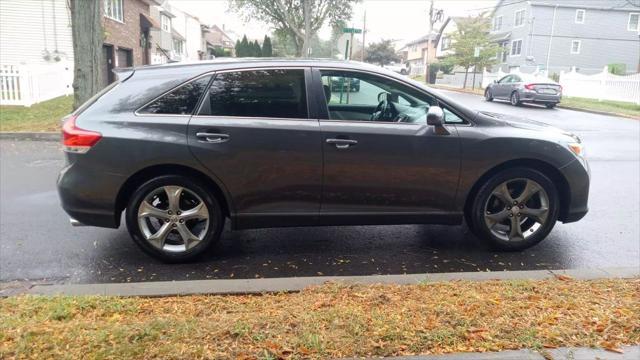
{"points": [[342, 143], [212, 137]]}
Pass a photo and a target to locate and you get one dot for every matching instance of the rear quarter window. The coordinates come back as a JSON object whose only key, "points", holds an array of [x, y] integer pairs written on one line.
{"points": [[179, 101]]}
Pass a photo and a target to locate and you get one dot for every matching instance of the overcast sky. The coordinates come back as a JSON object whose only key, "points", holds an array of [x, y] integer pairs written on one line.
{"points": [[386, 19]]}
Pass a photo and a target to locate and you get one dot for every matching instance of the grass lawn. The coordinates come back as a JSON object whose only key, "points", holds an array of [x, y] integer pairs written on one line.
{"points": [[615, 107], [329, 321], [44, 116]]}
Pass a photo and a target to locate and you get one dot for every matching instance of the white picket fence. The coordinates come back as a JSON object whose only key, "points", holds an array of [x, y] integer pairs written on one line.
{"points": [[601, 86], [26, 85]]}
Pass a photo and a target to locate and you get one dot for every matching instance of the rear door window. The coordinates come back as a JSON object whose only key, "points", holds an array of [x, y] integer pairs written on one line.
{"points": [[180, 101], [277, 93]]}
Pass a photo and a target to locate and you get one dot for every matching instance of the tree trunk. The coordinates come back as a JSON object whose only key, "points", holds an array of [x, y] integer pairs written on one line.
{"points": [[306, 10], [87, 34]]}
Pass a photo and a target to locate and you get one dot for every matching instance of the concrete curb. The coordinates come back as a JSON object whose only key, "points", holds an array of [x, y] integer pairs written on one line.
{"points": [[629, 352], [559, 106], [34, 136], [259, 286]]}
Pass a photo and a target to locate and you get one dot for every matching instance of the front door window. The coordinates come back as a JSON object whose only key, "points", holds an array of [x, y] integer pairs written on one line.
{"points": [[355, 96]]}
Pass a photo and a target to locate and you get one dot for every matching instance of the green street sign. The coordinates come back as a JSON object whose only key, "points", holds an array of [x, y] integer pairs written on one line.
{"points": [[351, 31]]}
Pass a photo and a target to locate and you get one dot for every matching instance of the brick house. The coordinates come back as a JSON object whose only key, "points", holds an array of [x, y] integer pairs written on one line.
{"points": [[126, 26]]}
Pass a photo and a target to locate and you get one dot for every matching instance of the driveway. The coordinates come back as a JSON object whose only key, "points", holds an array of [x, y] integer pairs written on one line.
{"points": [[38, 244]]}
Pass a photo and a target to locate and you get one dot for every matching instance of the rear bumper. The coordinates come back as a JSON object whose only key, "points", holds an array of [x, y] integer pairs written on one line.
{"points": [[578, 176], [535, 97], [89, 196]]}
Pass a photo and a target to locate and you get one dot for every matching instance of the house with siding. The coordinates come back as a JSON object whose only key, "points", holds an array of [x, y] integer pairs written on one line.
{"points": [[419, 51], [556, 35], [179, 36]]}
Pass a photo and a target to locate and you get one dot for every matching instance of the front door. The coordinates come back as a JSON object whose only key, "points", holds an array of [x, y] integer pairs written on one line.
{"points": [[380, 156], [253, 133]]}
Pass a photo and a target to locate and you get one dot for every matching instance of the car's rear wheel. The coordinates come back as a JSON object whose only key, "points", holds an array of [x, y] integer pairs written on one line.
{"points": [[174, 218], [515, 98], [488, 95], [515, 209], [550, 105]]}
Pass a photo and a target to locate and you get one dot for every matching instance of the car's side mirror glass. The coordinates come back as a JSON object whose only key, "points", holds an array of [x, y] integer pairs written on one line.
{"points": [[435, 116]]}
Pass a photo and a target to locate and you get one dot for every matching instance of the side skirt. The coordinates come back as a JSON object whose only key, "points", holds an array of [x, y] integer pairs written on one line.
{"points": [[273, 220]]}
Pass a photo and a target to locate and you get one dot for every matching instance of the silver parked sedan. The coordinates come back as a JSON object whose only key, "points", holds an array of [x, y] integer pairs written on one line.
{"points": [[523, 88]]}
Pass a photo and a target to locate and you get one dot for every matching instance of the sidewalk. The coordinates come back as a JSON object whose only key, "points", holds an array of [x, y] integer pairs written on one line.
{"points": [[629, 353], [275, 285]]}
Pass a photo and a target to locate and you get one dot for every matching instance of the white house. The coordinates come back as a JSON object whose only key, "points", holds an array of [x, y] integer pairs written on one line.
{"points": [[189, 27], [443, 47]]}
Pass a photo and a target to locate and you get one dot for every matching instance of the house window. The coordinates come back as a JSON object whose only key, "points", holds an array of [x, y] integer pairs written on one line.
{"points": [[519, 21], [446, 43], [516, 47], [497, 23], [165, 22], [575, 46], [634, 22], [113, 10], [580, 16], [178, 46]]}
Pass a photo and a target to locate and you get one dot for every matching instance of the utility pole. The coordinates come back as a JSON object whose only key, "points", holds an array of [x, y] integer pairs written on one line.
{"points": [[435, 15], [364, 32]]}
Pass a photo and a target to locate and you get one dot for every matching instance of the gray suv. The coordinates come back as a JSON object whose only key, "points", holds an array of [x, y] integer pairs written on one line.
{"points": [[182, 147]]}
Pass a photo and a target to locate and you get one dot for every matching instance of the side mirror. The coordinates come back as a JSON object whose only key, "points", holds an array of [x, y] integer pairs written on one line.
{"points": [[435, 116]]}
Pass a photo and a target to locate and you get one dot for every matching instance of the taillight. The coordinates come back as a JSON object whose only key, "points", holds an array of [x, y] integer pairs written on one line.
{"points": [[529, 86], [78, 140]]}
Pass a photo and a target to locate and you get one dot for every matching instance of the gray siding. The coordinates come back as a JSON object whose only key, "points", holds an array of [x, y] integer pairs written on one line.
{"points": [[603, 35]]}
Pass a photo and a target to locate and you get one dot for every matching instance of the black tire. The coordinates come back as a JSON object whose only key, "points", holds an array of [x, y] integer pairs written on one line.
{"points": [[212, 234], [477, 216], [514, 99], [550, 105], [488, 95], [403, 72]]}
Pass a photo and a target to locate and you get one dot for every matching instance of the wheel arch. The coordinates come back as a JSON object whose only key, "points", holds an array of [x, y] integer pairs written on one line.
{"points": [[561, 183], [148, 173]]}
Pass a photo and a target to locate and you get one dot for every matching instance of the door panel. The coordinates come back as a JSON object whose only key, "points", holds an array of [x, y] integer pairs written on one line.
{"points": [[391, 168], [267, 165], [252, 131]]}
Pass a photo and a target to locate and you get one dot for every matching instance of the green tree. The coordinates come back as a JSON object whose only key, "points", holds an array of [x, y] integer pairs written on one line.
{"points": [[245, 48], [288, 16], [238, 48], [267, 49], [472, 33], [381, 53], [256, 51]]}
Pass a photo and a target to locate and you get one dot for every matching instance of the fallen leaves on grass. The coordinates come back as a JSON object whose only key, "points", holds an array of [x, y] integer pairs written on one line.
{"points": [[329, 321]]}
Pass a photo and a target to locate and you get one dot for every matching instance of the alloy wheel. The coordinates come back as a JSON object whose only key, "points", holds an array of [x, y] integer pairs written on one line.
{"points": [[516, 209], [173, 218], [515, 99]]}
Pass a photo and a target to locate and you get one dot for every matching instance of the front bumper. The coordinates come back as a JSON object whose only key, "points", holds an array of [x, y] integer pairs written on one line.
{"points": [[578, 176]]}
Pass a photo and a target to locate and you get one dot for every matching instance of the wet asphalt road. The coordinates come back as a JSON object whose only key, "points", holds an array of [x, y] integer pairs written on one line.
{"points": [[38, 244]]}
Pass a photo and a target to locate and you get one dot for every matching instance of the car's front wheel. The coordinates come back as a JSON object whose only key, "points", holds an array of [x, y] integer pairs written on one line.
{"points": [[550, 105], [515, 209], [174, 218]]}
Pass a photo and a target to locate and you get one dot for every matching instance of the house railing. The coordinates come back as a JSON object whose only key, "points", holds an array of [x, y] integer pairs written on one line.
{"points": [[26, 85], [601, 86]]}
